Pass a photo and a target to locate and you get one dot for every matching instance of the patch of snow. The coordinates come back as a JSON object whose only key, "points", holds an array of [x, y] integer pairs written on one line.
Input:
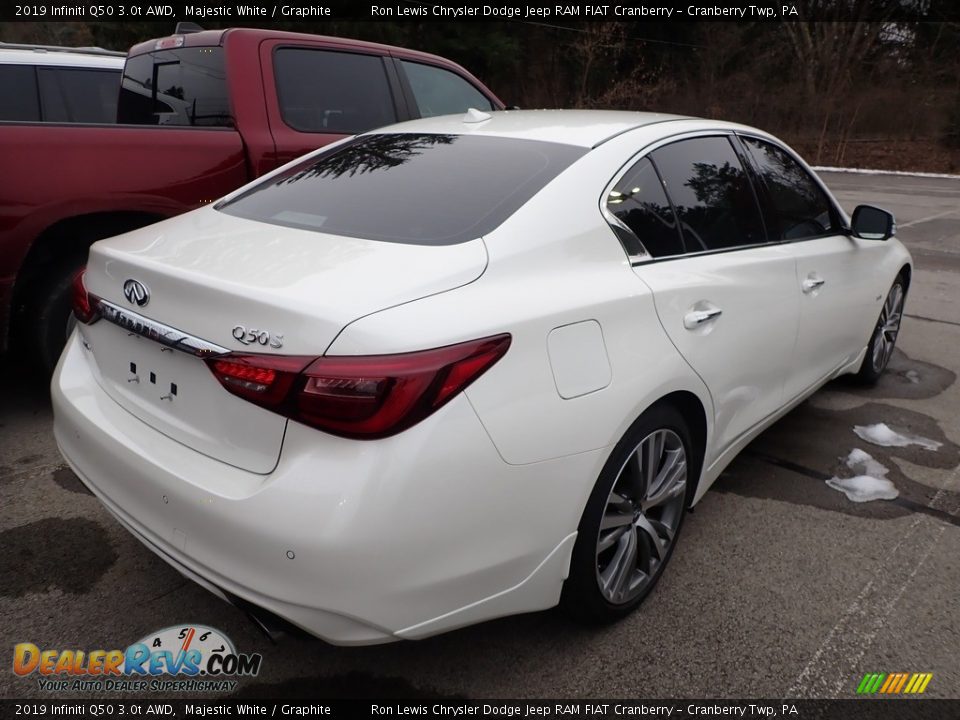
{"points": [[881, 434], [866, 171], [913, 376], [864, 488], [871, 484], [865, 463]]}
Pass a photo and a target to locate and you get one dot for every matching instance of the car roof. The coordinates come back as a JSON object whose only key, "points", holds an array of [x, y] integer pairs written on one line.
{"points": [[585, 128], [60, 57]]}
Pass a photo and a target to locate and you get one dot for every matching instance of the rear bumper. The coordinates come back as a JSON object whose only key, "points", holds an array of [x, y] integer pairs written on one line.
{"points": [[355, 542]]}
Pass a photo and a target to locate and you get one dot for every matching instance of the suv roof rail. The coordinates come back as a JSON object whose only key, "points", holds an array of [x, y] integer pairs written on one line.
{"points": [[58, 48]]}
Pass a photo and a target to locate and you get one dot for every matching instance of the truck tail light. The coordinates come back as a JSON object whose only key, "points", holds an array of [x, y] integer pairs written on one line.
{"points": [[363, 396], [84, 305]]}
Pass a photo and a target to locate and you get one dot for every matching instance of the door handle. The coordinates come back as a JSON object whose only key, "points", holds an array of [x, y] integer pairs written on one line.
{"points": [[696, 318], [813, 282]]}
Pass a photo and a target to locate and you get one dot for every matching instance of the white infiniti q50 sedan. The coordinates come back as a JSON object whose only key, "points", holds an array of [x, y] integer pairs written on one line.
{"points": [[464, 367]]}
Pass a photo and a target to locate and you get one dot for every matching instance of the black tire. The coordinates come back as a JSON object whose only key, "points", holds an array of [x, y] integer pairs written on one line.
{"points": [[583, 596], [48, 313], [884, 337]]}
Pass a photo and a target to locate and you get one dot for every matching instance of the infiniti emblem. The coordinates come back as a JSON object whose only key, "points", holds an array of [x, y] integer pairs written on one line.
{"points": [[136, 292]]}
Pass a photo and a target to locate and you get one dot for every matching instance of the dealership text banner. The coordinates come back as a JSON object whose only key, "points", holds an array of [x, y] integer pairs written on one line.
{"points": [[536, 11]]}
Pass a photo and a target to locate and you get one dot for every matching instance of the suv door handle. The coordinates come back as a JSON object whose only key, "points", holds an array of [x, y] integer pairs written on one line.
{"points": [[813, 282], [696, 318]]}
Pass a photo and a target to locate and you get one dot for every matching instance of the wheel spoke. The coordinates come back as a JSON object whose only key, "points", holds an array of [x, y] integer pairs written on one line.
{"points": [[615, 579], [894, 299], [665, 531], [651, 461], [888, 350], [612, 537], [672, 460], [671, 481], [878, 343], [667, 493], [619, 502], [632, 475], [652, 537], [615, 519]]}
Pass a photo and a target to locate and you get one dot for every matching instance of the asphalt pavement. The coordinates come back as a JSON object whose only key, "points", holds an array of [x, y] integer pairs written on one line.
{"points": [[780, 586]]}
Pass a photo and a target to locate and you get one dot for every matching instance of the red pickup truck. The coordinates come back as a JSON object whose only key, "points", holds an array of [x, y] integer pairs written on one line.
{"points": [[198, 115]]}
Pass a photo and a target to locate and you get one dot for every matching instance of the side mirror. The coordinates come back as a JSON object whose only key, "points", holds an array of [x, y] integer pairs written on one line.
{"points": [[872, 223]]}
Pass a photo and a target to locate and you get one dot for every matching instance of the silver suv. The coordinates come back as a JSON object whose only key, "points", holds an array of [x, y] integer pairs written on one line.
{"points": [[40, 83]]}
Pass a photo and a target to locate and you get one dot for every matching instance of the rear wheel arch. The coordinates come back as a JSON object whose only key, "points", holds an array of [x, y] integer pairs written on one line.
{"points": [[603, 559], [693, 411]]}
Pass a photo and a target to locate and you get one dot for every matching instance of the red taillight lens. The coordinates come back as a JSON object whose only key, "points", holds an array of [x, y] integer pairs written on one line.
{"points": [[263, 379], [366, 396], [84, 306]]}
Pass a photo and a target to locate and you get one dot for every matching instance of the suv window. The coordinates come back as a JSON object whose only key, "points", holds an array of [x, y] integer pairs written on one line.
{"points": [[800, 206], [639, 202], [441, 92], [18, 93], [406, 188], [332, 92], [711, 193], [185, 86], [85, 96]]}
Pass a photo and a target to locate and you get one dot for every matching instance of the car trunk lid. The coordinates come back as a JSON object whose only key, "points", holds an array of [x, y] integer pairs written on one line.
{"points": [[246, 287]]}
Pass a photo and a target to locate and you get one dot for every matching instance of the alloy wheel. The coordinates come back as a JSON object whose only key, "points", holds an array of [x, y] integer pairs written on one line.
{"points": [[641, 517], [888, 326]]}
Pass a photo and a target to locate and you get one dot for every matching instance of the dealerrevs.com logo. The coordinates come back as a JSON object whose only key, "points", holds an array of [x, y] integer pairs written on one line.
{"points": [[182, 658]]}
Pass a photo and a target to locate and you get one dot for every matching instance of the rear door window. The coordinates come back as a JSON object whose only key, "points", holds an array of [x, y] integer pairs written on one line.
{"points": [[442, 92], [714, 200], [332, 92], [800, 206], [639, 202], [18, 93], [75, 95], [185, 86], [421, 189]]}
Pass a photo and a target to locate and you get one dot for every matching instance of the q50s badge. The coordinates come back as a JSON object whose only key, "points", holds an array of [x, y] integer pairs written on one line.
{"points": [[253, 336]]}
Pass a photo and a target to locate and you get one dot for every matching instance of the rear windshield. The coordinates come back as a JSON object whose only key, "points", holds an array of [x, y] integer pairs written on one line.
{"points": [[415, 189], [184, 86]]}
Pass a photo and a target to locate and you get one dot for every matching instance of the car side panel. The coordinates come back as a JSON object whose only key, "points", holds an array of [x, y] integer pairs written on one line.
{"points": [[518, 399], [742, 354], [548, 269], [836, 318]]}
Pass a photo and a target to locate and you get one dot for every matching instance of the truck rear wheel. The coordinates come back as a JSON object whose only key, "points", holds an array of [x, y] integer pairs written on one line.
{"points": [[49, 314]]}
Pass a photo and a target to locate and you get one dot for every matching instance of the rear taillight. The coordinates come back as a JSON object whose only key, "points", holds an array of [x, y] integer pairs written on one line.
{"points": [[84, 305], [364, 396], [263, 379]]}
